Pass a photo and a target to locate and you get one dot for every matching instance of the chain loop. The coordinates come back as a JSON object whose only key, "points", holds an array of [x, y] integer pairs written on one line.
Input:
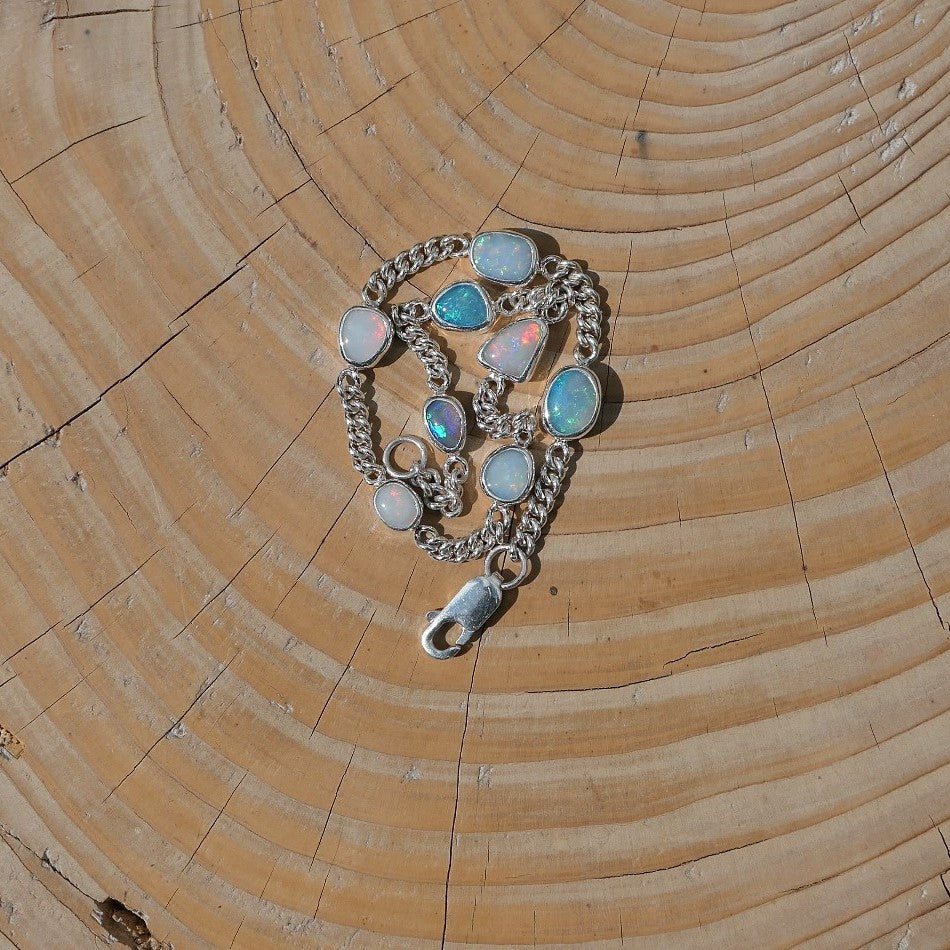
{"points": [[496, 424], [408, 320], [547, 487], [349, 385], [408, 263], [473, 546]]}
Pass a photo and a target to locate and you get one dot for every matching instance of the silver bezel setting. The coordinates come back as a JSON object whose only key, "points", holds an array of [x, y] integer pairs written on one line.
{"points": [[529, 371], [387, 320], [418, 501], [545, 419], [461, 409], [504, 283], [489, 308], [530, 486]]}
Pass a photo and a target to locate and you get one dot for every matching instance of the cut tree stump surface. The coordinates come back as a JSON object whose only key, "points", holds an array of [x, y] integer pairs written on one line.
{"points": [[718, 716]]}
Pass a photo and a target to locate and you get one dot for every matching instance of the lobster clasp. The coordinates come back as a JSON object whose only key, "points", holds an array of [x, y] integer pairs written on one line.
{"points": [[471, 608]]}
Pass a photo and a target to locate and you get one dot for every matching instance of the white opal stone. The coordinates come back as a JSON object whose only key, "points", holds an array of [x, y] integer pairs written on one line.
{"points": [[507, 474], [504, 257], [514, 350], [571, 403], [397, 505], [365, 335]]}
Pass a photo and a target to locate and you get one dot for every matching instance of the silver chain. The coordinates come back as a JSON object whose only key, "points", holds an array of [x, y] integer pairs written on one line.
{"points": [[408, 263], [495, 423], [442, 491], [547, 487], [572, 281], [493, 532], [408, 319], [349, 385]]}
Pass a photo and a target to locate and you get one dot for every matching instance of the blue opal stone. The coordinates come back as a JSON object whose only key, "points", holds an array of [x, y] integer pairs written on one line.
{"points": [[445, 420], [571, 402], [462, 306], [507, 474], [504, 257]]}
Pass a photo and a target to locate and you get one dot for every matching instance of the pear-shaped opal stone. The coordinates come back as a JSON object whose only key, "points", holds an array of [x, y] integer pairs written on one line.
{"points": [[445, 420], [365, 335], [504, 257], [397, 505], [514, 350], [571, 402], [507, 474], [462, 306]]}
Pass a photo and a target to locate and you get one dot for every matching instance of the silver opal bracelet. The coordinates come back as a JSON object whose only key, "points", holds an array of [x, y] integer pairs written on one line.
{"points": [[541, 292]]}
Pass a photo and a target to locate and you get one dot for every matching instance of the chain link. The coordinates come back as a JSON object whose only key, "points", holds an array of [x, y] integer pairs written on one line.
{"points": [[349, 385], [520, 426], [408, 319], [442, 491], [407, 263], [547, 487], [493, 532], [575, 283]]}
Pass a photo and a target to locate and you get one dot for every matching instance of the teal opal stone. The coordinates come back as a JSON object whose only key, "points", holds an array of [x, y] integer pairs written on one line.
{"points": [[507, 474], [571, 402], [462, 306], [504, 257], [445, 420]]}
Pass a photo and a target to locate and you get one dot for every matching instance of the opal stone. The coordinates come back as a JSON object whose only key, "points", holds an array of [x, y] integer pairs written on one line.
{"points": [[507, 474], [504, 257], [571, 402], [397, 505], [365, 335], [462, 306], [514, 350], [445, 420]]}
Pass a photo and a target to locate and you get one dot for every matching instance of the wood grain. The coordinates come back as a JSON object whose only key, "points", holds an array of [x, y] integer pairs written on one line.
{"points": [[718, 717]]}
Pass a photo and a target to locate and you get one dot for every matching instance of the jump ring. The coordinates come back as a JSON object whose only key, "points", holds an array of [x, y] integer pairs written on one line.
{"points": [[512, 552], [414, 469]]}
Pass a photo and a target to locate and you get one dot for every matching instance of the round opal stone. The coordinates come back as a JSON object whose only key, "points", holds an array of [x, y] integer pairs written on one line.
{"points": [[571, 402], [514, 350], [445, 420], [462, 306], [504, 257], [365, 335], [507, 474], [397, 505]]}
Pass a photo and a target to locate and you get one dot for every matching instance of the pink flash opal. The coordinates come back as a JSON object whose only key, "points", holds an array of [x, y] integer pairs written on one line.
{"points": [[397, 505], [514, 350], [365, 335]]}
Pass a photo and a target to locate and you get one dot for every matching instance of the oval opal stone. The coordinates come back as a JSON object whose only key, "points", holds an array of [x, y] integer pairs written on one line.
{"points": [[514, 350], [365, 335], [462, 306], [571, 402], [445, 420], [507, 474], [504, 257], [397, 505]]}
